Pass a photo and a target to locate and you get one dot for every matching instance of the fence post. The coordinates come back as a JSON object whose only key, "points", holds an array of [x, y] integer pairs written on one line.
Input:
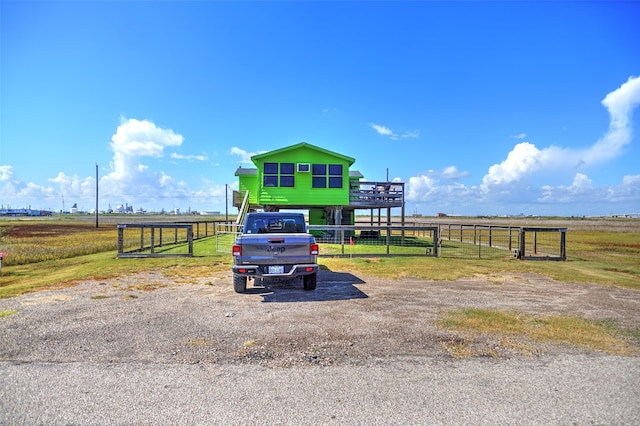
{"points": [[490, 235], [563, 244], [521, 245], [120, 239], [436, 241], [141, 238], [190, 239], [153, 230]]}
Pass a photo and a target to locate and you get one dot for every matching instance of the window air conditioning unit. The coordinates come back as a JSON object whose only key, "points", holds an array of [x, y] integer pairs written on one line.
{"points": [[304, 167]]}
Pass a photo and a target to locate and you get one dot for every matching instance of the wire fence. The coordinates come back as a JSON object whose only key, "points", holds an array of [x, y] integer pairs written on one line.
{"points": [[146, 239], [543, 244], [446, 241], [360, 240], [477, 241]]}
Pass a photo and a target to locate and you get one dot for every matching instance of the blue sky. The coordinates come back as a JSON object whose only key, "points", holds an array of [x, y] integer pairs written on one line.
{"points": [[480, 107]]}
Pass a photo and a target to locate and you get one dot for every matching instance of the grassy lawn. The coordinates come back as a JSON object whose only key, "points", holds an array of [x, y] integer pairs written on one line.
{"points": [[53, 255], [43, 254], [518, 332]]}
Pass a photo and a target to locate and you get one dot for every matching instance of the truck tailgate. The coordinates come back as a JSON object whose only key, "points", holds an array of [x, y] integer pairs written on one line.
{"points": [[274, 249]]}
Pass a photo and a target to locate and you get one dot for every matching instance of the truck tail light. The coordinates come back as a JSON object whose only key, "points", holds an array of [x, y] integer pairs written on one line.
{"points": [[236, 250], [313, 250]]}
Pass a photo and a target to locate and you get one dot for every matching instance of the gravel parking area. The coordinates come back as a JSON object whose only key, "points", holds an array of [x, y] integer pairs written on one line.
{"points": [[146, 349]]}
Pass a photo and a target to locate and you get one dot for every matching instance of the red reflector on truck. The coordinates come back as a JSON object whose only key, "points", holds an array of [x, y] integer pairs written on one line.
{"points": [[309, 268], [313, 250], [242, 271]]}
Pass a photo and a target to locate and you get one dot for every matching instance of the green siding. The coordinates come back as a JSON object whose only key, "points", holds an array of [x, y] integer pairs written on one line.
{"points": [[317, 217], [248, 183], [302, 193]]}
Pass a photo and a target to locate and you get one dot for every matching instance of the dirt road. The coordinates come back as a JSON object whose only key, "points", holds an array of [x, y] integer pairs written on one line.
{"points": [[146, 326]]}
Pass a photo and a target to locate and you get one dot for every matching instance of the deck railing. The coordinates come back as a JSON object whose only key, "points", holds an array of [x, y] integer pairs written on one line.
{"points": [[376, 194]]}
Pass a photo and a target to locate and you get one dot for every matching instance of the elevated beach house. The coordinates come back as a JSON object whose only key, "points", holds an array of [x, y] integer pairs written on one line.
{"points": [[305, 176]]}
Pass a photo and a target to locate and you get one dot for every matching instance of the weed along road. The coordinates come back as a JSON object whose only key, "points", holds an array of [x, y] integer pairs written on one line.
{"points": [[154, 349]]}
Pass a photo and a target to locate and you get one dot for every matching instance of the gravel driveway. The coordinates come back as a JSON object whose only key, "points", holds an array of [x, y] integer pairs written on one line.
{"points": [[146, 349]]}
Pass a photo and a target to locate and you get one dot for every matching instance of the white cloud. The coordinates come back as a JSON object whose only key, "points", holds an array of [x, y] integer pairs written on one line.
{"points": [[582, 190], [452, 172], [519, 136], [523, 160], [410, 134], [382, 130], [526, 159], [427, 186], [14, 189], [127, 179], [244, 155], [628, 190], [75, 185], [202, 157], [142, 138], [421, 187], [508, 184], [580, 187], [130, 180], [621, 102], [385, 131], [5, 173]]}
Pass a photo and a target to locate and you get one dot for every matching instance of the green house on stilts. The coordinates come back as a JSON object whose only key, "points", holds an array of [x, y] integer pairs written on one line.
{"points": [[307, 177]]}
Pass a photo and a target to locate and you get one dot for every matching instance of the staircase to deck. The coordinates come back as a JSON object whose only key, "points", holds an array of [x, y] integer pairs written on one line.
{"points": [[243, 209]]}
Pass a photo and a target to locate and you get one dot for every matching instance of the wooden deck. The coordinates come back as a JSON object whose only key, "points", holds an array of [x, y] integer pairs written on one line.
{"points": [[376, 194]]}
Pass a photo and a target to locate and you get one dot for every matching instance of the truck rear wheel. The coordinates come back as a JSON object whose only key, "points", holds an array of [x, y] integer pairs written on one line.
{"points": [[239, 283], [310, 281]]}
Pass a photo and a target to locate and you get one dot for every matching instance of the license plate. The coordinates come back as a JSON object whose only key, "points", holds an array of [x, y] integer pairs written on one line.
{"points": [[278, 269]]}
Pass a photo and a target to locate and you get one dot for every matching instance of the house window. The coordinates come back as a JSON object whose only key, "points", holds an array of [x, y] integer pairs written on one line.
{"points": [[321, 177], [270, 174], [279, 175], [270, 168], [335, 175], [286, 175]]}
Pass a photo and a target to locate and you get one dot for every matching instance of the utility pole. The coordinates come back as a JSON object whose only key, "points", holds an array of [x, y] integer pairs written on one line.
{"points": [[226, 203], [96, 195]]}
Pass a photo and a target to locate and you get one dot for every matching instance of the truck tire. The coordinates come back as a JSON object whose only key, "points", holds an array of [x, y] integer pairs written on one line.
{"points": [[239, 283], [310, 281]]}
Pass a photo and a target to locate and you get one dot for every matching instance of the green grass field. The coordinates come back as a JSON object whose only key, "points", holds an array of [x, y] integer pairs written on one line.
{"points": [[45, 253]]}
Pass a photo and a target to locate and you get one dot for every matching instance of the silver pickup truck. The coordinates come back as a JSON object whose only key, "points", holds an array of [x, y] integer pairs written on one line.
{"points": [[274, 246]]}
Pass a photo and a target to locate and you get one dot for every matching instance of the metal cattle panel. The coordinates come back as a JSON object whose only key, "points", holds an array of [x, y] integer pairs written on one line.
{"points": [[149, 240], [372, 240], [543, 244]]}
